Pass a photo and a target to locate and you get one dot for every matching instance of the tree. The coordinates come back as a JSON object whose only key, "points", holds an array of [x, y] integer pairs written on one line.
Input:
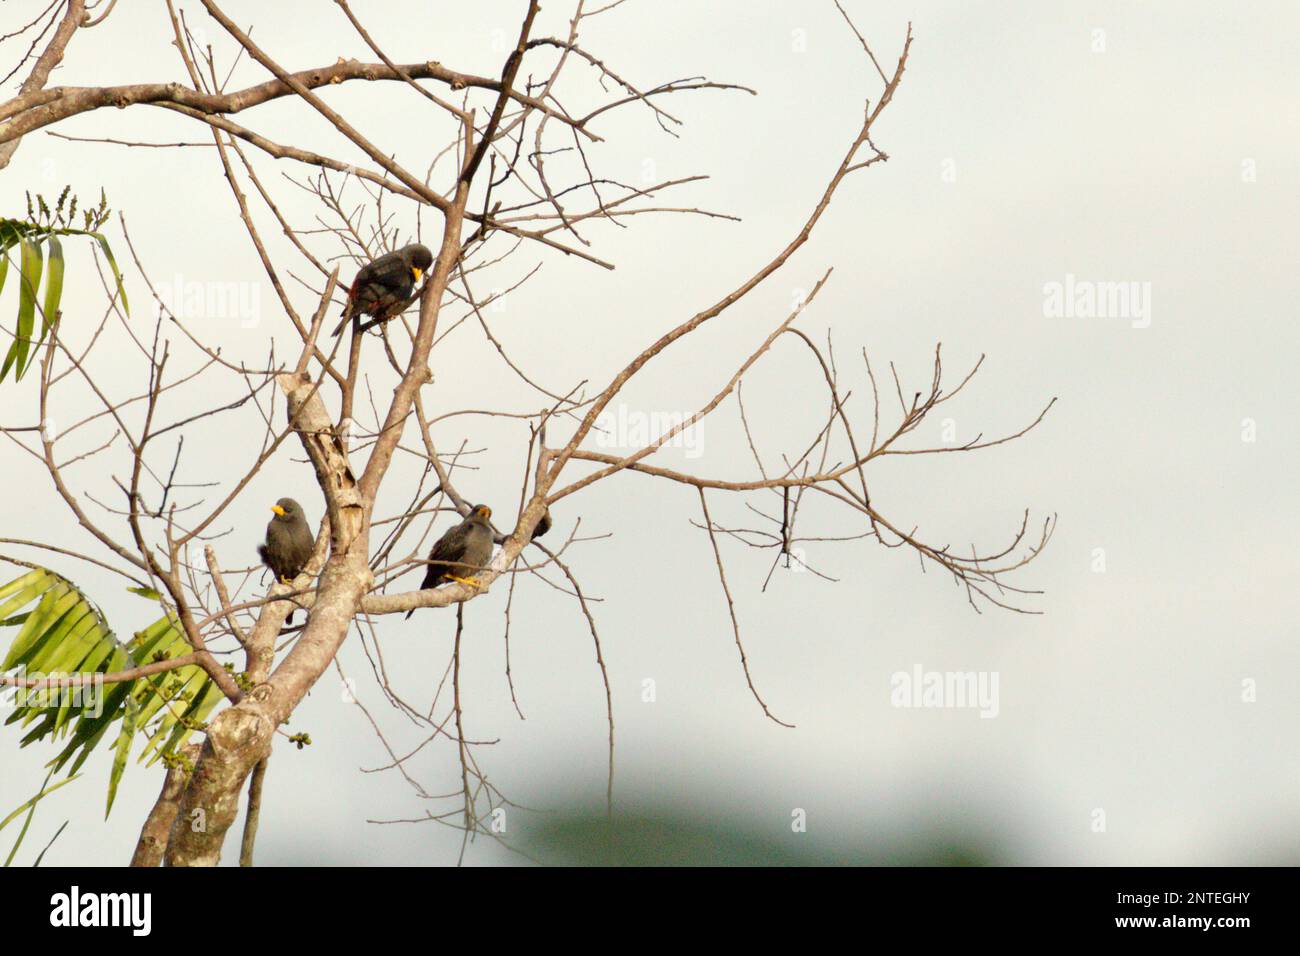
{"points": [[516, 173]]}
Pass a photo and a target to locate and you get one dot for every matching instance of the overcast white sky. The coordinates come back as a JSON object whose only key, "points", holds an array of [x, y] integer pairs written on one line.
{"points": [[1154, 143]]}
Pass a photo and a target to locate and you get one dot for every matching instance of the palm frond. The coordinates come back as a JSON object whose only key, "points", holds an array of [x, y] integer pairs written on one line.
{"points": [[61, 633]]}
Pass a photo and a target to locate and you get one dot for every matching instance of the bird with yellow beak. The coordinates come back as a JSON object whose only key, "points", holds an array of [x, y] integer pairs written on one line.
{"points": [[289, 541], [383, 287], [461, 553]]}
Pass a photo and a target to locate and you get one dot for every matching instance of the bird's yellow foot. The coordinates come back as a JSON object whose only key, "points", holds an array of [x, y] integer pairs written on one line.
{"points": [[284, 580], [468, 582]]}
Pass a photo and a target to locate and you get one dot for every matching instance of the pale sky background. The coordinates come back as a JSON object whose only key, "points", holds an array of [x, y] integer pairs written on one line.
{"points": [[1019, 154]]}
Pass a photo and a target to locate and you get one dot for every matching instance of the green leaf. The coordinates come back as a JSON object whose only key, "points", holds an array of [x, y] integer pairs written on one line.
{"points": [[120, 752], [89, 731], [200, 696], [23, 597], [61, 632], [17, 584], [57, 833], [28, 236], [42, 626], [22, 834], [11, 230], [149, 593], [45, 792], [45, 616], [30, 280], [112, 264], [53, 296]]}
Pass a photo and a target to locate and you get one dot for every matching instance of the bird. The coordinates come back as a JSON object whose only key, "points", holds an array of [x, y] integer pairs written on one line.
{"points": [[382, 287], [289, 542], [543, 526], [461, 552]]}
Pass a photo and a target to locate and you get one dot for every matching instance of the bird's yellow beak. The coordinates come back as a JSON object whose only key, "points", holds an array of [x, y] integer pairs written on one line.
{"points": [[416, 272], [278, 510]]}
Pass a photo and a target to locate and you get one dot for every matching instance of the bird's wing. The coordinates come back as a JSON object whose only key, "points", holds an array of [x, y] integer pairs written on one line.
{"points": [[302, 542], [451, 546], [389, 270], [383, 271], [448, 550]]}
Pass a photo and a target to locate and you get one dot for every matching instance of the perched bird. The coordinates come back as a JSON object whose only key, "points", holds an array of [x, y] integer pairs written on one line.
{"points": [[289, 542], [382, 287], [543, 526], [461, 553]]}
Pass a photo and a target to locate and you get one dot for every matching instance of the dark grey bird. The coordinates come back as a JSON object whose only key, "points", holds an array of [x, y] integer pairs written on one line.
{"points": [[461, 552], [289, 542], [382, 287], [543, 526]]}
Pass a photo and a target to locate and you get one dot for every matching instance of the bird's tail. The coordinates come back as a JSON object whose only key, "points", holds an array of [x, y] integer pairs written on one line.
{"points": [[347, 317], [430, 580]]}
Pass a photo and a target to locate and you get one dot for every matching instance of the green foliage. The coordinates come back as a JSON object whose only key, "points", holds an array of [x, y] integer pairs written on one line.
{"points": [[35, 241], [30, 807], [682, 835], [64, 634]]}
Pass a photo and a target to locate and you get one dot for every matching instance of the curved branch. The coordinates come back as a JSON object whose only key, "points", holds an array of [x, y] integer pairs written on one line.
{"points": [[45, 64]]}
